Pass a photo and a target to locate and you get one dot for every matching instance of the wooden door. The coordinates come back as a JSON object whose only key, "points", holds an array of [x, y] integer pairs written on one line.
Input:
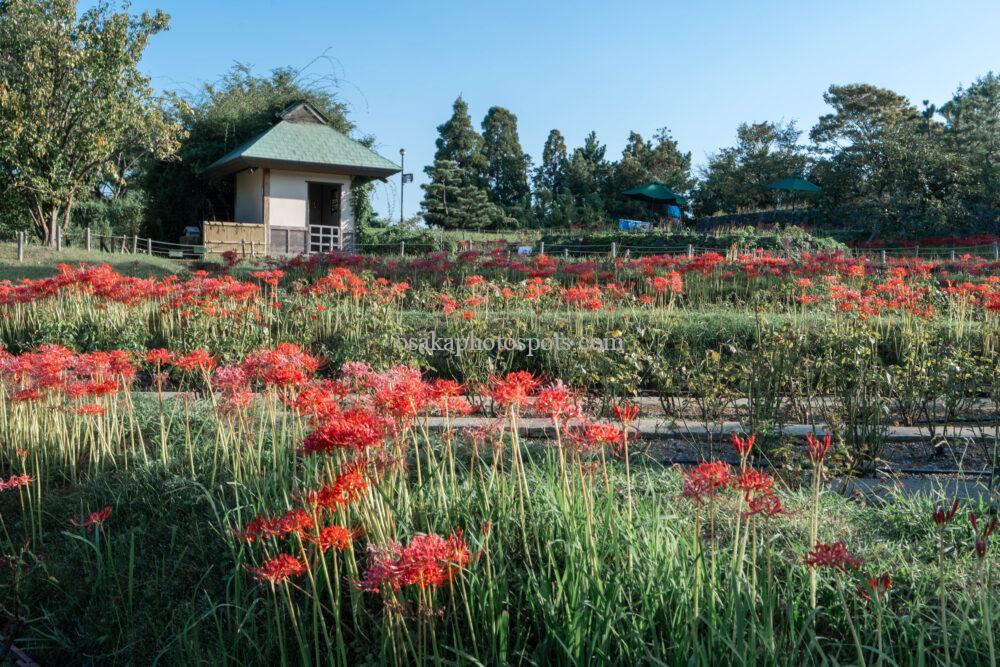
{"points": [[331, 204]]}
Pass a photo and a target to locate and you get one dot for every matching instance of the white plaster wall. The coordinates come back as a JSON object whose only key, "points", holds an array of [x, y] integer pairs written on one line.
{"points": [[289, 197], [249, 197]]}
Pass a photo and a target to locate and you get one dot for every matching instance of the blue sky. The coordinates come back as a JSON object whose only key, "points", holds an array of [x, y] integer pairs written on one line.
{"points": [[697, 68]]}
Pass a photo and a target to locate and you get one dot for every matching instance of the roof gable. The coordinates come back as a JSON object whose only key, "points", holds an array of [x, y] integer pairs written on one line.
{"points": [[302, 112]]}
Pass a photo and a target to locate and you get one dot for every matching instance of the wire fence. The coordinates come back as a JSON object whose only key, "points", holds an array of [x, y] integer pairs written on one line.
{"points": [[136, 245]]}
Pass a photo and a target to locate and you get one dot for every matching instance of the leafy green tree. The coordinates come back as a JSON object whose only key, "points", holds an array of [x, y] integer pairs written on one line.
{"points": [[972, 120], [73, 103], [883, 163], [218, 119], [858, 139], [736, 178], [506, 172]]}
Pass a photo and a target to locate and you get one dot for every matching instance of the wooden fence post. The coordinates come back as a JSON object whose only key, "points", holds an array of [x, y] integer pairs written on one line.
{"points": [[20, 246], [243, 247], [253, 249], [88, 240], [916, 250], [541, 247], [614, 250], [690, 250], [135, 243], [883, 256], [402, 248], [953, 254]]}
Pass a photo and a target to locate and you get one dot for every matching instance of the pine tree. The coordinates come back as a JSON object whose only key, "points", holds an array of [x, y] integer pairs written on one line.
{"points": [[441, 195], [506, 173], [456, 197]]}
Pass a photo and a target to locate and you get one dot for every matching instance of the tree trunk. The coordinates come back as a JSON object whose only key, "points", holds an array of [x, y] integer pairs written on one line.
{"points": [[50, 239], [39, 217]]}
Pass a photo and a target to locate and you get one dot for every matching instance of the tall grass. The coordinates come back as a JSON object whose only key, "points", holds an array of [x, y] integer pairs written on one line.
{"points": [[574, 561]]}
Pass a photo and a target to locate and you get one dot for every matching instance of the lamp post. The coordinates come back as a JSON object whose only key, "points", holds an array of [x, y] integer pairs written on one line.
{"points": [[402, 181]]}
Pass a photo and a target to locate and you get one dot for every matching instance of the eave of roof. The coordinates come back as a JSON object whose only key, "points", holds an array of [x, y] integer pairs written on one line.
{"points": [[305, 146]]}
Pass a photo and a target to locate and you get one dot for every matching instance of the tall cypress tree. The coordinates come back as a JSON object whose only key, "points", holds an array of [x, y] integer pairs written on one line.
{"points": [[506, 172], [550, 179], [587, 175]]}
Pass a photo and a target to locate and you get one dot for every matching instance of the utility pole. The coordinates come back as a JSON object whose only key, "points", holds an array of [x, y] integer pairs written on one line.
{"points": [[402, 181]]}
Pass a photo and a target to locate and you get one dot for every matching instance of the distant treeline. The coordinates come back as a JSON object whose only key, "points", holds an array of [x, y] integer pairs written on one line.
{"points": [[886, 168]]}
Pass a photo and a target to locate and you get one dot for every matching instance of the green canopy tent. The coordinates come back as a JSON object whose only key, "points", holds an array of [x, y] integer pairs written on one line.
{"points": [[656, 193], [794, 184], [800, 187]]}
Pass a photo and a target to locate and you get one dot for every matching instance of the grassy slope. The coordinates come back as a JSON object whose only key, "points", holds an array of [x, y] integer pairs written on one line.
{"points": [[41, 262]]}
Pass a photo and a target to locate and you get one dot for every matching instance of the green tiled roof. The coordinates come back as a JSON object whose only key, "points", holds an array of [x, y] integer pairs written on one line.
{"points": [[305, 144]]}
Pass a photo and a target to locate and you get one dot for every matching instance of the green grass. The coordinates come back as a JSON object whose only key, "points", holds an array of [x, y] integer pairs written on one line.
{"points": [[40, 262], [567, 573]]}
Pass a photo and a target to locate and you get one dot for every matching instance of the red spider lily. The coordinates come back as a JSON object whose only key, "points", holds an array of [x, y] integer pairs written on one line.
{"points": [[670, 283], [159, 357], [229, 379], [514, 389], [402, 393], [346, 488], [752, 482], [93, 520], [334, 537], [767, 505], [943, 516], [446, 397], [271, 277], [319, 400], [294, 522], [284, 366], [742, 445], [818, 449], [876, 587], [355, 429], [428, 561], [277, 569], [15, 482], [835, 556], [196, 360], [981, 537], [626, 413], [703, 482], [558, 402], [90, 409], [592, 437]]}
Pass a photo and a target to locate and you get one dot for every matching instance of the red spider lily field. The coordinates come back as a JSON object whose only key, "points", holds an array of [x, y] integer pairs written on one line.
{"points": [[310, 462]]}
